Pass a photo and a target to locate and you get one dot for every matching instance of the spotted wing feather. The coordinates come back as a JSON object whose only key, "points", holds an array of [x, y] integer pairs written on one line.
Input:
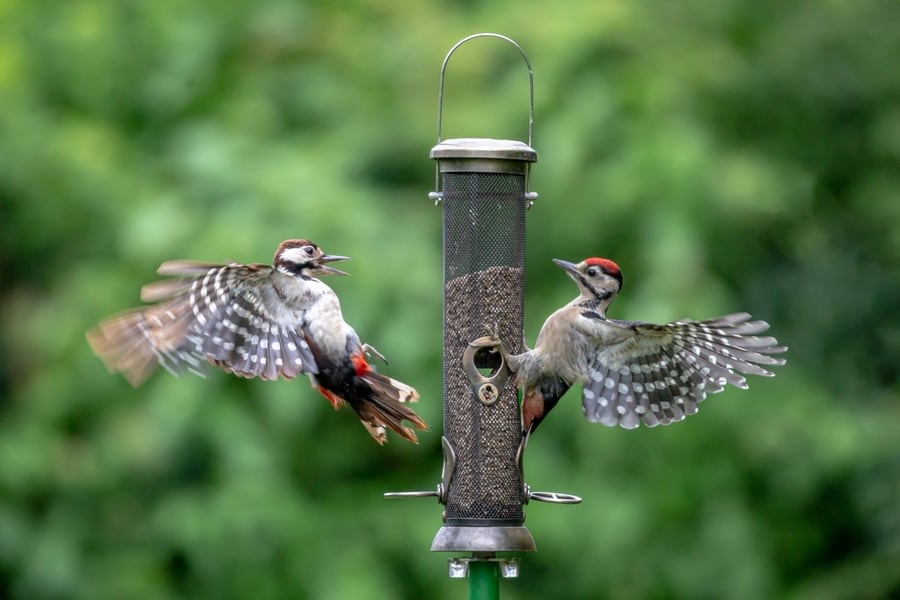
{"points": [[211, 313], [658, 374]]}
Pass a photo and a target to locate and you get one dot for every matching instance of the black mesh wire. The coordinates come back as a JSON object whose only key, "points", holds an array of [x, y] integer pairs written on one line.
{"points": [[484, 257]]}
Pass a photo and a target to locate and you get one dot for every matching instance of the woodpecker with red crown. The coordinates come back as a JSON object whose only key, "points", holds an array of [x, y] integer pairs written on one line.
{"points": [[257, 320], [633, 372]]}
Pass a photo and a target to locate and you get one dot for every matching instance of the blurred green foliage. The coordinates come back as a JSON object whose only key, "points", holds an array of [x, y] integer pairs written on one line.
{"points": [[733, 155]]}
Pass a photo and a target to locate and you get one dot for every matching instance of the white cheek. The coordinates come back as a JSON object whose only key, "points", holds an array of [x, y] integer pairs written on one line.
{"points": [[295, 255]]}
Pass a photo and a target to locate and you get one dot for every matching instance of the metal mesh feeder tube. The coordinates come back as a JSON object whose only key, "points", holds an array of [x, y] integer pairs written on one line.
{"points": [[482, 187], [483, 199]]}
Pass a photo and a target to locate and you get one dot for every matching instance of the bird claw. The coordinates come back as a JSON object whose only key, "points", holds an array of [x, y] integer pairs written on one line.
{"points": [[493, 343], [371, 351], [488, 341]]}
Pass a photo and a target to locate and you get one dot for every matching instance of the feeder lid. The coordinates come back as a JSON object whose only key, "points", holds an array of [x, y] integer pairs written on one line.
{"points": [[484, 148]]}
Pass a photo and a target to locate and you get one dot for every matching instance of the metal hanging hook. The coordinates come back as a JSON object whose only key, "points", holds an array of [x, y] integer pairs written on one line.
{"points": [[437, 195], [440, 111]]}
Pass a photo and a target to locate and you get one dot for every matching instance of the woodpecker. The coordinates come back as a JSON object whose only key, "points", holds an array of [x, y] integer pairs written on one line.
{"points": [[257, 320], [634, 372]]}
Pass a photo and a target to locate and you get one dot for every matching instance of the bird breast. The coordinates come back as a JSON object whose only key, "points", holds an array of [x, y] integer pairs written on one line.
{"points": [[561, 349]]}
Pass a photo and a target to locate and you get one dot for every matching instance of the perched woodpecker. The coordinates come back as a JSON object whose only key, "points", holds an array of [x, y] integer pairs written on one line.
{"points": [[257, 320], [634, 372]]}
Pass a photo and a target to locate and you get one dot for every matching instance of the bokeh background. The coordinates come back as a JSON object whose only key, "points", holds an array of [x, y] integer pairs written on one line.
{"points": [[730, 155]]}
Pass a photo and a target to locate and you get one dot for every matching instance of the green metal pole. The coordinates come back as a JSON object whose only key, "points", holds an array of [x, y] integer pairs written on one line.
{"points": [[484, 580]]}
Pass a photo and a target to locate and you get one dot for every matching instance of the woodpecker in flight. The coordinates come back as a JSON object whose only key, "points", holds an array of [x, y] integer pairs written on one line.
{"points": [[257, 320], [633, 372]]}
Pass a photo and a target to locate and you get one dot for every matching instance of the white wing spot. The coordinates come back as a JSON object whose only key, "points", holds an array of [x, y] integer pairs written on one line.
{"points": [[292, 346], [276, 346], [609, 383], [623, 389]]}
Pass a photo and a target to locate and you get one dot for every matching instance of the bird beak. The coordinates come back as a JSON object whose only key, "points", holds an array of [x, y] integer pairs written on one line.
{"points": [[327, 258], [568, 267]]}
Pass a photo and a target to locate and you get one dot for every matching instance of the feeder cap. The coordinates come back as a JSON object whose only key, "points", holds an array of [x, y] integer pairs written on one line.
{"points": [[484, 148]]}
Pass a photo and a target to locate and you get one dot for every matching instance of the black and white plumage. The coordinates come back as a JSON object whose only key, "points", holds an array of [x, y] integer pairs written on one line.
{"points": [[256, 320], [634, 372]]}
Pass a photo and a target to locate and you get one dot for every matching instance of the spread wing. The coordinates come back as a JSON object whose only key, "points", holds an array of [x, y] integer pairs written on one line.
{"points": [[657, 374], [209, 313]]}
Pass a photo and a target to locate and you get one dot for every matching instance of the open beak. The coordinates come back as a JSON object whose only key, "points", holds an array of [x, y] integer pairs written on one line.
{"points": [[568, 267], [327, 258]]}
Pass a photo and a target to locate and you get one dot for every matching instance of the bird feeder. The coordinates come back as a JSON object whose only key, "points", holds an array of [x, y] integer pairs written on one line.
{"points": [[482, 187]]}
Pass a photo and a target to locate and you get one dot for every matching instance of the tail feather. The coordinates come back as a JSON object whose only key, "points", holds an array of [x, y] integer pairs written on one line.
{"points": [[384, 407]]}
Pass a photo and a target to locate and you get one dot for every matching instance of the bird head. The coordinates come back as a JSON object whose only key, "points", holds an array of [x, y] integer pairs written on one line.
{"points": [[598, 279], [302, 258]]}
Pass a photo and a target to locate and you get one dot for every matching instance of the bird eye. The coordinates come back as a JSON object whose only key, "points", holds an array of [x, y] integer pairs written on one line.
{"points": [[309, 250], [592, 271]]}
